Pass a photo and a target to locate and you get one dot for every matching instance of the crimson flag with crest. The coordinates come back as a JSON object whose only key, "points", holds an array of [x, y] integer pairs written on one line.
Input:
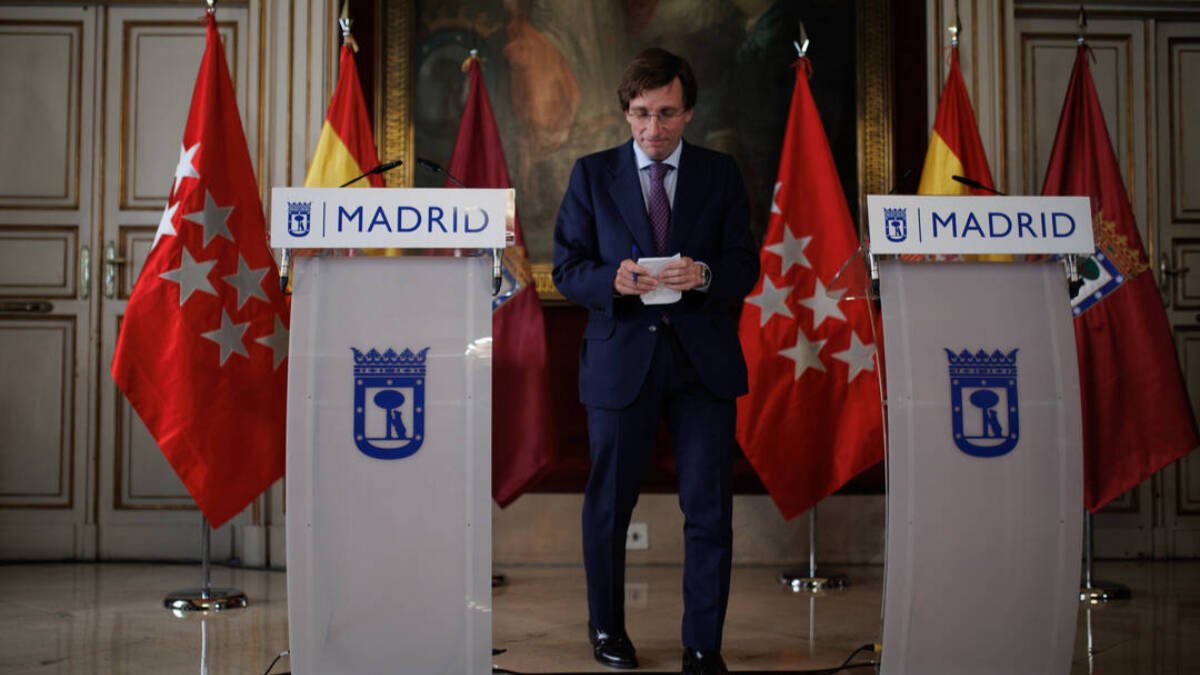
{"points": [[522, 428], [1136, 415]]}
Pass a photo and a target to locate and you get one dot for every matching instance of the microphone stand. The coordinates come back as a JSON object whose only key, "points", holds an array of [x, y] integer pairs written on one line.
{"points": [[972, 183], [497, 254], [386, 166], [434, 167], [285, 259]]}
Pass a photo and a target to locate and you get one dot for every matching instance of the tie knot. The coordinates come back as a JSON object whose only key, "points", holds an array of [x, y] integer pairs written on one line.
{"points": [[658, 170]]}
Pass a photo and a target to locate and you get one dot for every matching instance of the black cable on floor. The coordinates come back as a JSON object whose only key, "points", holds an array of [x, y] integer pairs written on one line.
{"points": [[278, 656], [846, 665]]}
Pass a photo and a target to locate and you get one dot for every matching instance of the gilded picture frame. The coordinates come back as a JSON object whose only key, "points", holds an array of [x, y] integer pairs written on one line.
{"points": [[530, 48]]}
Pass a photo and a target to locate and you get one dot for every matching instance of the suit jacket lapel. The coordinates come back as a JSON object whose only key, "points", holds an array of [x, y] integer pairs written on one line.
{"points": [[689, 189], [626, 191]]}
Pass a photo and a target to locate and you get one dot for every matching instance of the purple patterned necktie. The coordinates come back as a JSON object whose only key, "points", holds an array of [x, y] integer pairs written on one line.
{"points": [[660, 207]]}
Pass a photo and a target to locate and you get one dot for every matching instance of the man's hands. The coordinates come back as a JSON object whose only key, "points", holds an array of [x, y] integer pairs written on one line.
{"points": [[633, 279], [682, 275]]}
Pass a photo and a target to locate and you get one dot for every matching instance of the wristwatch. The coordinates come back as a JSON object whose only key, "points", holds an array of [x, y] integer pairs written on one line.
{"points": [[705, 276]]}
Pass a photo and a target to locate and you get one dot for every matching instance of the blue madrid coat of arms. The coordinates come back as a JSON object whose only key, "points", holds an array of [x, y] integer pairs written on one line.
{"points": [[895, 224], [983, 402], [299, 218], [389, 402]]}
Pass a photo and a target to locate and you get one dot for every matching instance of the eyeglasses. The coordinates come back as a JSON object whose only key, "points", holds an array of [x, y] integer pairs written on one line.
{"points": [[665, 116]]}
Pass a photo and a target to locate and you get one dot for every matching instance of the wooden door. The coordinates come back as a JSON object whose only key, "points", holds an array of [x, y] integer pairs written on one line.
{"points": [[48, 211]]}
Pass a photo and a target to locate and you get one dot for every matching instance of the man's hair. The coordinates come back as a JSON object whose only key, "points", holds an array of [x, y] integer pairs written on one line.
{"points": [[654, 68]]}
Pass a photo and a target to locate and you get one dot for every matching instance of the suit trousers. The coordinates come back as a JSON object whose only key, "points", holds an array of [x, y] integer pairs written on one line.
{"points": [[702, 428]]}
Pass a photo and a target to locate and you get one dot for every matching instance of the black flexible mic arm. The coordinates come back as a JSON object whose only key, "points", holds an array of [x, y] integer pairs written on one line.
{"points": [[972, 183], [386, 166]]}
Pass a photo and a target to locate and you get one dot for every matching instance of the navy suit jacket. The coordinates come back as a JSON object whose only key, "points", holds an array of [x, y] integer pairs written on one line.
{"points": [[603, 220]]}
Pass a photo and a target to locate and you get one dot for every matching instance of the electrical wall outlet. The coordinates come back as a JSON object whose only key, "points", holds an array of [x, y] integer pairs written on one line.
{"points": [[637, 594], [637, 537]]}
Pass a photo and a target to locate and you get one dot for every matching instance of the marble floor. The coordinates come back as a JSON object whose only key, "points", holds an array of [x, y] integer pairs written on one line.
{"points": [[75, 619]]}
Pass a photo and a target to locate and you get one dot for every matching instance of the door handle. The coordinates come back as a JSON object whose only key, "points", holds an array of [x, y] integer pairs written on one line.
{"points": [[85, 272], [1165, 273], [111, 263], [26, 306], [1166, 270]]}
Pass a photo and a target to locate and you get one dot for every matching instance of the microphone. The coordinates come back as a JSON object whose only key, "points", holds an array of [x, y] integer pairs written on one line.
{"points": [[972, 183], [386, 166], [430, 165], [903, 177], [285, 260]]}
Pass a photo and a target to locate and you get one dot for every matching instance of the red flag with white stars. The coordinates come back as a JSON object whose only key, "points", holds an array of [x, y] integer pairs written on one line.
{"points": [[202, 349], [812, 418]]}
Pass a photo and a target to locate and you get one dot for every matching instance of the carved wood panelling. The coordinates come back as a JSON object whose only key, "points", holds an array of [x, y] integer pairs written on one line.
{"points": [[37, 261], [1188, 488], [37, 412], [1128, 503], [1187, 472], [397, 91], [1046, 61], [155, 105], [1185, 254], [1183, 67], [1119, 70], [41, 77], [875, 101]]}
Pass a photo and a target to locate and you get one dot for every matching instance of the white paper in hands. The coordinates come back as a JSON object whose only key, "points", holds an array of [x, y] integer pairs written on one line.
{"points": [[660, 295]]}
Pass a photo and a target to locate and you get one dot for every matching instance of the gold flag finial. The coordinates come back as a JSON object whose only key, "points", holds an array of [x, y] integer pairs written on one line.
{"points": [[956, 27], [472, 56]]}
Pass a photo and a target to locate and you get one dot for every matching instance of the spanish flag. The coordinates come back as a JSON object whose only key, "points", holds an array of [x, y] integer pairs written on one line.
{"points": [[954, 145], [346, 147]]}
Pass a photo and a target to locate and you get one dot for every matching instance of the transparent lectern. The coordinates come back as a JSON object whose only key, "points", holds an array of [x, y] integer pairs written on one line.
{"points": [[984, 449], [389, 429]]}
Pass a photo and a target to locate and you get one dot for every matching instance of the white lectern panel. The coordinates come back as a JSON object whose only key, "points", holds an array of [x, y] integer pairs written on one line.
{"points": [[389, 466], [985, 497]]}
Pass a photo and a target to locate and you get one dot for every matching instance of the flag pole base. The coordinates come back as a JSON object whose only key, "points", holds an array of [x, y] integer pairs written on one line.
{"points": [[193, 600], [797, 582], [1100, 592]]}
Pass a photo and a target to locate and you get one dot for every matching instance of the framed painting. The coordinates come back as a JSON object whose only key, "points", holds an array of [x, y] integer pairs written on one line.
{"points": [[552, 69]]}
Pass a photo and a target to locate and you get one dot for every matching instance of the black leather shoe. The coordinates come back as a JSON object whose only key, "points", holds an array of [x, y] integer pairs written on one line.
{"points": [[696, 662], [612, 649]]}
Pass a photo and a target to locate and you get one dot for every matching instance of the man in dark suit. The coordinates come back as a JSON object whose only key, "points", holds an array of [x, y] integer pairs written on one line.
{"points": [[682, 363]]}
